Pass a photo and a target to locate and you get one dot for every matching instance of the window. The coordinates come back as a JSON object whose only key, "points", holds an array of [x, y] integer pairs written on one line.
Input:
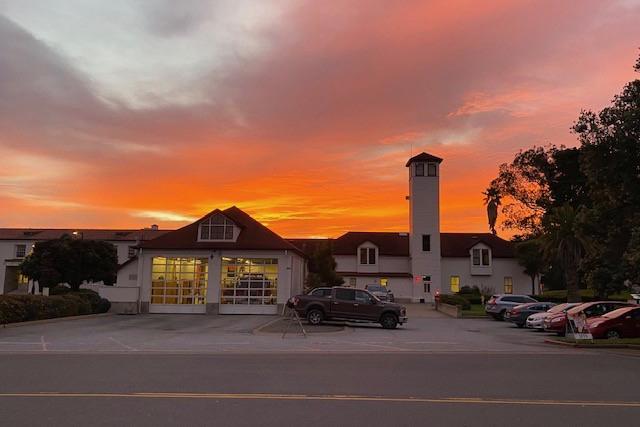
{"points": [[419, 169], [251, 281], [454, 282], [481, 257], [346, 294], [133, 276], [216, 228], [352, 281], [384, 282], [367, 256], [321, 292], [426, 242], [131, 251], [508, 286], [21, 251], [363, 297], [431, 169], [178, 280]]}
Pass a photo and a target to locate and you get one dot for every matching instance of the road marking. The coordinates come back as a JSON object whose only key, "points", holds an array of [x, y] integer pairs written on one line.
{"points": [[128, 347], [44, 344], [329, 397]]}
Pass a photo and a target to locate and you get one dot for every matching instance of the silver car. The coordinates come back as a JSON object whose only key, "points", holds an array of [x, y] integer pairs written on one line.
{"points": [[536, 320], [498, 305], [381, 292]]}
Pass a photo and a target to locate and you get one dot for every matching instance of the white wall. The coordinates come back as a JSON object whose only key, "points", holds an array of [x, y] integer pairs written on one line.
{"points": [[424, 218], [502, 267], [8, 251], [385, 264], [402, 287]]}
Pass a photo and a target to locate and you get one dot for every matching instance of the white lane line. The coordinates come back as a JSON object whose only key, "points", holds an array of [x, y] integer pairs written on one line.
{"points": [[383, 346], [21, 342], [44, 344], [128, 347]]}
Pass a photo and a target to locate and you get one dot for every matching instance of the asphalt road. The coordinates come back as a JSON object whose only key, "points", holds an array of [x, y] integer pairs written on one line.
{"points": [[392, 389]]}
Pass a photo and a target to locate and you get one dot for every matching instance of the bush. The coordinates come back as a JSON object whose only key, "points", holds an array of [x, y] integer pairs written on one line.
{"points": [[23, 308], [587, 295], [455, 300]]}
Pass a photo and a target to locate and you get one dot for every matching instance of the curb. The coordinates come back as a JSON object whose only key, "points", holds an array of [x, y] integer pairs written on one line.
{"points": [[578, 345], [54, 320]]}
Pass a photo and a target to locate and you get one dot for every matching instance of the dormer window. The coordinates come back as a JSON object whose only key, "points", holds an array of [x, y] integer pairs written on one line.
{"points": [[216, 228], [481, 257], [367, 256]]}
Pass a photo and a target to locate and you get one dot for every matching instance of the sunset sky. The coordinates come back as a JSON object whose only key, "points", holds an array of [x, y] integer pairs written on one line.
{"points": [[303, 113]]}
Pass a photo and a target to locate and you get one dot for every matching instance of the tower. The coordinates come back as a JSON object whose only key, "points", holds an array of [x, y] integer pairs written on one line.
{"points": [[424, 225]]}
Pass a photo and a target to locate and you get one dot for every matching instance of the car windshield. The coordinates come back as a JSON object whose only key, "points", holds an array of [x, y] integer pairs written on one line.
{"points": [[375, 288]]}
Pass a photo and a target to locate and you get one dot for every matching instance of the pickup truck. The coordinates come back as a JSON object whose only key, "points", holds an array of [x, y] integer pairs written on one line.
{"points": [[348, 304]]}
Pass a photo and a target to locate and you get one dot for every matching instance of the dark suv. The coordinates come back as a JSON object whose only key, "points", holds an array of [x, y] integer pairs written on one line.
{"points": [[349, 304]]}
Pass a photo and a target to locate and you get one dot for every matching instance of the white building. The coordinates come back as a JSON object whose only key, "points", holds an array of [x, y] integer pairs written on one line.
{"points": [[227, 262], [418, 264], [16, 243]]}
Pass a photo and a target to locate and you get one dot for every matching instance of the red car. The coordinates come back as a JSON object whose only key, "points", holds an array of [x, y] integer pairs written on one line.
{"points": [[558, 322], [621, 323]]}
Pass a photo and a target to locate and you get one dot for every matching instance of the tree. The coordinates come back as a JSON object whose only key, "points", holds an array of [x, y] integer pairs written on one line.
{"points": [[610, 159], [322, 268], [71, 261], [530, 256], [564, 242], [537, 180], [492, 200]]}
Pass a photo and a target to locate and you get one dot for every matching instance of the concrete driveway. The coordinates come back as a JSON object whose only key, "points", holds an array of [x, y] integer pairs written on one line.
{"points": [[427, 331]]}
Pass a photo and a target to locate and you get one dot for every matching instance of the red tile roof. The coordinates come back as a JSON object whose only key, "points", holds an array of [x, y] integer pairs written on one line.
{"points": [[452, 245], [254, 236], [88, 234], [424, 157]]}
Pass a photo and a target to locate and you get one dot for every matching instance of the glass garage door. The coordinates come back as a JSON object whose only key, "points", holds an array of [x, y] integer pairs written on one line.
{"points": [[249, 286], [178, 285]]}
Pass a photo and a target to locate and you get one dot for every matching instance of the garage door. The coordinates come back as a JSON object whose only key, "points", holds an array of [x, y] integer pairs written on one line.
{"points": [[249, 286], [178, 285]]}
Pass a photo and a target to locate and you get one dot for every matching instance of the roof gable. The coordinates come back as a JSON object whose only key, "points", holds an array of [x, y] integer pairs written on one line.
{"points": [[253, 235]]}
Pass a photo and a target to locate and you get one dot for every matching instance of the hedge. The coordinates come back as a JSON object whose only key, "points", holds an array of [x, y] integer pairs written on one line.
{"points": [[22, 308], [586, 295], [455, 300]]}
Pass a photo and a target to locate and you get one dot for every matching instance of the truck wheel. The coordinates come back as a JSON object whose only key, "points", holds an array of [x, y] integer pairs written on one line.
{"points": [[315, 316], [389, 321]]}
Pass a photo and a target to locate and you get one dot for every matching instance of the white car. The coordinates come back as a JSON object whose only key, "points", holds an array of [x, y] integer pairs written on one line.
{"points": [[536, 321]]}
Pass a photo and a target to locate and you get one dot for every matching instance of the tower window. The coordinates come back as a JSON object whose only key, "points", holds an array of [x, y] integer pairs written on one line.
{"points": [[426, 242], [419, 169], [367, 256], [431, 169]]}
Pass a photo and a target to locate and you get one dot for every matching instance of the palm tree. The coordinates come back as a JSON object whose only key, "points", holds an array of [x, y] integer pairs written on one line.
{"points": [[492, 200], [564, 242]]}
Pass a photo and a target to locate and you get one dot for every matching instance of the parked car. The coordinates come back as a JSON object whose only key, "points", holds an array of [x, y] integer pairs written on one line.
{"points": [[520, 313], [558, 322], [536, 321], [349, 304], [383, 293], [621, 323], [498, 305]]}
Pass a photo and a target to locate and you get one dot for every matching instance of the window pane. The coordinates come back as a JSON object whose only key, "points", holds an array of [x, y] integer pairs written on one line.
{"points": [[204, 232], [455, 283], [372, 255], [426, 242], [485, 257], [476, 257], [431, 169], [419, 169], [228, 232], [346, 294], [363, 255]]}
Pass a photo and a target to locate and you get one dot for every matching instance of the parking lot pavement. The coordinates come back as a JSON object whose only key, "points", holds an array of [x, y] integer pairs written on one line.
{"points": [[220, 334]]}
